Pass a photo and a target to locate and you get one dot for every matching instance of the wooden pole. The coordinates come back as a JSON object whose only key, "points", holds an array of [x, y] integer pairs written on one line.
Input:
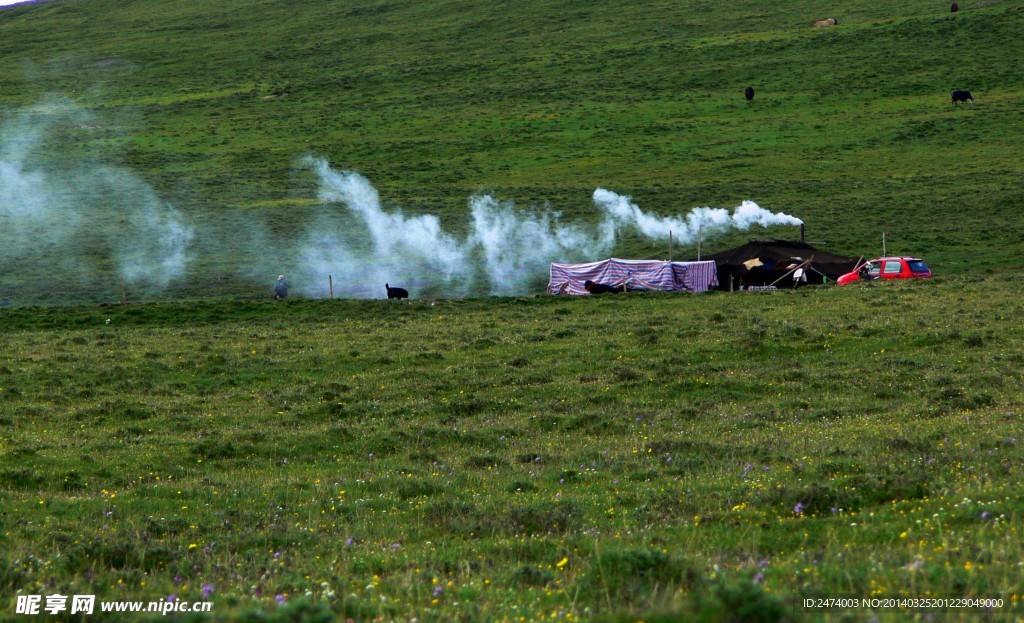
{"points": [[700, 237], [124, 291], [330, 284], [884, 236], [670, 245]]}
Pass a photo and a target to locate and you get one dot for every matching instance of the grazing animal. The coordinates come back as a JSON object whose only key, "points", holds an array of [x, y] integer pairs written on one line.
{"points": [[600, 288], [826, 22], [749, 93], [953, 8], [961, 96], [396, 293]]}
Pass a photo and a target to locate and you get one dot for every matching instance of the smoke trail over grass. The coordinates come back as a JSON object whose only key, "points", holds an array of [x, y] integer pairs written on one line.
{"points": [[620, 211], [505, 251], [516, 245], [93, 217]]}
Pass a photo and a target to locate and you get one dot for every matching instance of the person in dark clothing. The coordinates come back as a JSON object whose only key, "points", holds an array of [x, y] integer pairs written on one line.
{"points": [[281, 288]]}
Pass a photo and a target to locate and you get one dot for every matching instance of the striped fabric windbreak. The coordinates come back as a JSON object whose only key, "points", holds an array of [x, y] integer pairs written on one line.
{"points": [[634, 275]]}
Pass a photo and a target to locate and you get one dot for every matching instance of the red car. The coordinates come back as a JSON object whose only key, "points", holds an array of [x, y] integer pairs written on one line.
{"points": [[888, 268]]}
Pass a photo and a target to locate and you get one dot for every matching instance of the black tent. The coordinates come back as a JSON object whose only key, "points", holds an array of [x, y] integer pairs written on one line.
{"points": [[764, 262]]}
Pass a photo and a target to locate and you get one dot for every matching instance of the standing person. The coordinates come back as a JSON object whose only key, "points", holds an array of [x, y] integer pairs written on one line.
{"points": [[280, 288]]}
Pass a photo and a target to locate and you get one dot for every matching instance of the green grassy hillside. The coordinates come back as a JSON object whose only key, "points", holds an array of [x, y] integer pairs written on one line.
{"points": [[210, 107]]}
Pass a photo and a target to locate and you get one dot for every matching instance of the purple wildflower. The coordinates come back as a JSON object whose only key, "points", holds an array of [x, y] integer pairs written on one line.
{"points": [[207, 590], [985, 515], [438, 590], [172, 598], [280, 600], [799, 508]]}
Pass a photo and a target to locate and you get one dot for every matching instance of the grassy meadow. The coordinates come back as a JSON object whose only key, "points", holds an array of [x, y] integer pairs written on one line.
{"points": [[652, 457]]}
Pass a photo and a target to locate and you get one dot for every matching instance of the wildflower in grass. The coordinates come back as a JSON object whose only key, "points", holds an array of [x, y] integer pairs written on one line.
{"points": [[280, 600], [438, 590], [799, 508], [172, 598], [758, 578], [177, 580], [985, 515], [207, 590]]}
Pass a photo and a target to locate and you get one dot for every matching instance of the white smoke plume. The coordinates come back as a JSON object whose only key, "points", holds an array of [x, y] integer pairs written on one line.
{"points": [[516, 246], [89, 215], [620, 211], [393, 235], [505, 250]]}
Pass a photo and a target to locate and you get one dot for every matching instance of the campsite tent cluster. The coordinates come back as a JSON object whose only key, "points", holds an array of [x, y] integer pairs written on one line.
{"points": [[757, 263]]}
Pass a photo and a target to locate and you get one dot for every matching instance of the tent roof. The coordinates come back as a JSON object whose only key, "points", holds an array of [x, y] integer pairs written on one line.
{"points": [[776, 250]]}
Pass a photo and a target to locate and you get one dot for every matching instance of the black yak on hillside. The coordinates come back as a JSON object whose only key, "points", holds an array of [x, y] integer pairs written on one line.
{"points": [[961, 97]]}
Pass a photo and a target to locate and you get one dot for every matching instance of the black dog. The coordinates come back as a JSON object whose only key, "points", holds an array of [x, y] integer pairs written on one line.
{"points": [[396, 293]]}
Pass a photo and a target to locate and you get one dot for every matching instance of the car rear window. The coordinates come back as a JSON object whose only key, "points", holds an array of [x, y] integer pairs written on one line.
{"points": [[918, 266]]}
